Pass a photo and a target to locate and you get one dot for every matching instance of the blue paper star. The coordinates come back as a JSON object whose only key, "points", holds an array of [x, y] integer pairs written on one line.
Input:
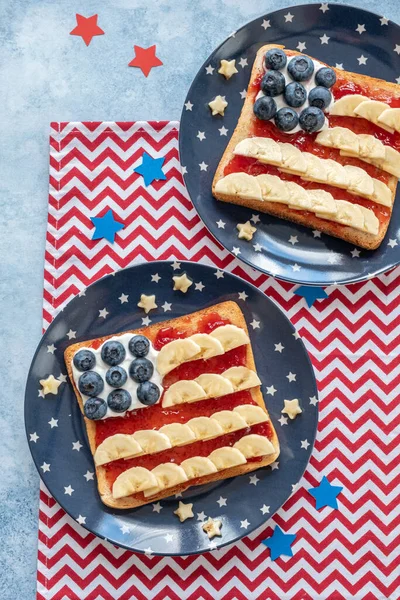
{"points": [[325, 494], [106, 227], [279, 543], [311, 293], [151, 169]]}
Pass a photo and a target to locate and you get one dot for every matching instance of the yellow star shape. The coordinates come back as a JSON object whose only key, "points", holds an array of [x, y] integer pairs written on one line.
{"points": [[218, 105], [182, 282], [246, 231], [212, 527], [227, 68], [292, 408], [50, 385], [147, 303], [184, 511]]}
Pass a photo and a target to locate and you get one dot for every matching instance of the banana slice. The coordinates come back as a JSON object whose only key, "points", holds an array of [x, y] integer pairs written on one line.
{"points": [[372, 110], [254, 445], [341, 138], [175, 353], [273, 188], [230, 336], [382, 193], [316, 168], [336, 172], [183, 391], [298, 197], [178, 433], [242, 378], [229, 420], [209, 346], [371, 221], [115, 447], [264, 149], [227, 457], [345, 106], [239, 184], [370, 147], [347, 214], [293, 160], [322, 202], [205, 428], [166, 475], [132, 481], [391, 163], [198, 466], [215, 385], [391, 118], [152, 441], [359, 181], [251, 413]]}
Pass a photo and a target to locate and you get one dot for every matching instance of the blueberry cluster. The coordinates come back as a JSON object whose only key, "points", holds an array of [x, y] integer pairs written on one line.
{"points": [[113, 354], [300, 68]]}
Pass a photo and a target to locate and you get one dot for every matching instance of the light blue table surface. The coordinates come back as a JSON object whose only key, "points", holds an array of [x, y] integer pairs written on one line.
{"points": [[47, 75]]}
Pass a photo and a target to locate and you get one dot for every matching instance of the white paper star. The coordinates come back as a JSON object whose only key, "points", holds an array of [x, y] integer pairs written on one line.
{"points": [[362, 60], [157, 507], [199, 286], [244, 524], [397, 49], [45, 467], [236, 250], [212, 527], [221, 501], [255, 324], [293, 240], [301, 46], [291, 408], [243, 296], [324, 39], [68, 490], [33, 437], [313, 400], [223, 130], [275, 465], [243, 62], [219, 274], [203, 166], [76, 446], [123, 298], [201, 516], [156, 278], [360, 28], [392, 243], [288, 17], [125, 529], [279, 347], [182, 283], [146, 321], [305, 444], [148, 303], [103, 313], [265, 24], [188, 105], [53, 422], [264, 509], [201, 135], [291, 377], [253, 480], [271, 390], [384, 21], [81, 520], [283, 421], [89, 475], [296, 267], [324, 7], [243, 94], [210, 70], [50, 385], [355, 253], [166, 306], [71, 334], [255, 219], [341, 68], [169, 538], [51, 349]]}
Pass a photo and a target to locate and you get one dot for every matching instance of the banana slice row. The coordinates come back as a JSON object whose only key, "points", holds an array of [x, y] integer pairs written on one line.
{"points": [[151, 441], [273, 189], [200, 346], [363, 146], [210, 385], [167, 475], [290, 159], [379, 113]]}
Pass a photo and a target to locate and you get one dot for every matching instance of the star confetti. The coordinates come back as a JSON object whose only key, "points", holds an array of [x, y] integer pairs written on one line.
{"points": [[325, 494], [280, 543], [86, 28], [106, 227], [311, 293], [151, 169], [145, 59]]}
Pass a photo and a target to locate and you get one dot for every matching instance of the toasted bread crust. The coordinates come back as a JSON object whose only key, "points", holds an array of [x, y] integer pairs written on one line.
{"points": [[242, 131], [228, 310]]}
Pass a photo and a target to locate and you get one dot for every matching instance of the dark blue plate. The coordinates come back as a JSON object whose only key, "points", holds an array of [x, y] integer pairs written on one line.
{"points": [[286, 250], [56, 432]]}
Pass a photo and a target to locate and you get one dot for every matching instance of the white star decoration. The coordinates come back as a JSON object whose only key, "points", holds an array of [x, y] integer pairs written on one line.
{"points": [[201, 135], [184, 170], [155, 278], [301, 46], [203, 166], [89, 475], [243, 296], [264, 509], [243, 62], [324, 7], [265, 24], [244, 524], [33, 437], [236, 250], [169, 538], [219, 274], [274, 465], [123, 298], [324, 39], [199, 286], [296, 267], [392, 243], [293, 240], [341, 68], [157, 507], [332, 258], [103, 313], [313, 400], [316, 233], [257, 247], [255, 219], [62, 378], [397, 49], [146, 321], [166, 306], [283, 420], [221, 224], [201, 516], [355, 253], [221, 501], [243, 94], [82, 293], [81, 520], [45, 467], [53, 422], [255, 324], [175, 265], [384, 21], [305, 444], [188, 105], [279, 348], [271, 390], [362, 60], [253, 480], [291, 376], [76, 445], [223, 131], [288, 17], [68, 490], [40, 394], [296, 335], [294, 487], [360, 29], [71, 334], [51, 349], [125, 529], [210, 70]]}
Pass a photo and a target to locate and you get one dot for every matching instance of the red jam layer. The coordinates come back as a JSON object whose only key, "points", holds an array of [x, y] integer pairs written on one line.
{"points": [[206, 324]]}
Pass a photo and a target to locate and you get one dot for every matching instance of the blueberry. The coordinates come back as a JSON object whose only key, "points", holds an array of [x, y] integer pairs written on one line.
{"points": [[275, 59], [139, 346], [90, 383], [95, 408], [312, 119], [326, 77], [84, 360], [113, 353], [116, 377], [265, 108], [301, 68], [286, 119], [141, 370], [148, 393], [295, 94], [273, 83], [320, 97], [119, 400]]}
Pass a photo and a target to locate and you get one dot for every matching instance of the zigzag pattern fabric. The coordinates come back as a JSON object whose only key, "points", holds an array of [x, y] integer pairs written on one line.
{"points": [[353, 338]]}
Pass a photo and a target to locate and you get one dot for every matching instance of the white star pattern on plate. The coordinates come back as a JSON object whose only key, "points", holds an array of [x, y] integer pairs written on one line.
{"points": [[332, 258], [51, 349], [244, 524], [176, 265], [45, 467], [62, 378], [279, 348], [71, 334], [243, 62], [291, 376], [271, 390], [169, 538], [324, 7], [221, 501], [294, 486], [265, 24], [210, 70], [392, 243], [156, 278], [398, 80], [275, 465], [384, 21], [40, 394], [213, 545], [283, 420], [293, 240], [53, 422], [253, 480], [296, 335], [296, 267], [257, 247], [316, 233], [255, 219], [362, 60], [355, 253], [201, 516], [233, 34], [223, 130], [166, 306], [76, 445], [305, 444], [242, 295], [146, 321], [220, 224], [313, 400], [157, 507], [188, 105], [81, 520], [360, 28], [288, 17], [33, 437], [341, 68], [123, 298], [125, 529], [103, 313], [324, 39], [82, 293], [184, 170], [68, 490], [219, 274], [201, 135], [243, 94], [199, 286], [203, 166], [89, 476], [236, 250], [301, 46], [255, 324], [397, 49], [264, 509]]}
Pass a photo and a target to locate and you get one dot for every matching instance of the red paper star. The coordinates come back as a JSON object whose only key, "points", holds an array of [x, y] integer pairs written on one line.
{"points": [[145, 59], [87, 28]]}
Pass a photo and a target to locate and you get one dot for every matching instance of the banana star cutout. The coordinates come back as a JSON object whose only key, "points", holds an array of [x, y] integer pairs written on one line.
{"points": [[292, 408], [212, 527], [182, 282], [246, 231], [218, 105], [228, 68], [184, 511], [50, 385], [147, 303]]}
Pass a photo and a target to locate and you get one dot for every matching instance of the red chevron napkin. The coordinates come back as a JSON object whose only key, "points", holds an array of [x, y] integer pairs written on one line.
{"points": [[354, 341]]}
